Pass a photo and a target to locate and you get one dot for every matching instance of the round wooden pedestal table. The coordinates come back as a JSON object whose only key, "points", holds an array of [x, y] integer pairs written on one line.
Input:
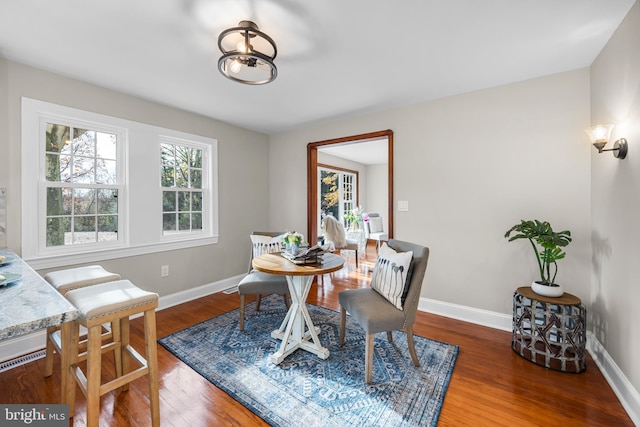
{"points": [[550, 332], [297, 330]]}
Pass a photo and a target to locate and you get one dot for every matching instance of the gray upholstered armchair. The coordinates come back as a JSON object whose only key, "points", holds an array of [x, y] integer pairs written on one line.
{"points": [[376, 314]]}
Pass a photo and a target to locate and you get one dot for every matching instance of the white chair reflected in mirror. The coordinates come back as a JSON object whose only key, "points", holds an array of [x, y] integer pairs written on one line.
{"points": [[257, 282], [375, 229], [335, 236]]}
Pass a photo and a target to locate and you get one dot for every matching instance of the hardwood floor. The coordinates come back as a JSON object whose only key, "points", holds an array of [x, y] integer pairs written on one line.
{"points": [[490, 386]]}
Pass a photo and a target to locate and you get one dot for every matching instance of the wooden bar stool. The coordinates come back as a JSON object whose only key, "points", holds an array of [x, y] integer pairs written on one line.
{"points": [[65, 281], [110, 302]]}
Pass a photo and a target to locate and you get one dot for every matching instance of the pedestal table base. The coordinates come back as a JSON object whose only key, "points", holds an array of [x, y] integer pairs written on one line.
{"points": [[297, 331]]}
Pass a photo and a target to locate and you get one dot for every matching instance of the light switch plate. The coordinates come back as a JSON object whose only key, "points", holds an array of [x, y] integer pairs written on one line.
{"points": [[403, 205]]}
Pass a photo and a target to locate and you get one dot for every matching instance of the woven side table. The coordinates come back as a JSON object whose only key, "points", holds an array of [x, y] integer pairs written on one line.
{"points": [[550, 332]]}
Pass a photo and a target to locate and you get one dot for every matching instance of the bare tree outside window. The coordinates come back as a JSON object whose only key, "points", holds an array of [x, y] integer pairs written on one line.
{"points": [[82, 193], [182, 196]]}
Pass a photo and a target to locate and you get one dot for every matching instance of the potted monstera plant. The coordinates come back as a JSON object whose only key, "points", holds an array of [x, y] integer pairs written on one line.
{"points": [[548, 247]]}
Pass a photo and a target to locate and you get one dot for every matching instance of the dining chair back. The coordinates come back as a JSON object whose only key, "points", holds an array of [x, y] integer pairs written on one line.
{"points": [[257, 282], [375, 313], [374, 228]]}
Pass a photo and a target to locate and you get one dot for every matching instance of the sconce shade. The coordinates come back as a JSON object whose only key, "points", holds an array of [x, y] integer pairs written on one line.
{"points": [[247, 54], [599, 135]]}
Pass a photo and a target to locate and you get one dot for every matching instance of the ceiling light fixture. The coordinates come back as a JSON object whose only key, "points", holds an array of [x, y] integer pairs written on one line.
{"points": [[247, 54], [599, 136]]}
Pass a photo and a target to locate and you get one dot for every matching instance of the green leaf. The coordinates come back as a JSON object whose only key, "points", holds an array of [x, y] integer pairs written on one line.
{"points": [[549, 244]]}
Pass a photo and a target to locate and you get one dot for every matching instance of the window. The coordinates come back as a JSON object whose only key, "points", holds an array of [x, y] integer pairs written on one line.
{"points": [[337, 193], [182, 195], [94, 192], [81, 185], [348, 198]]}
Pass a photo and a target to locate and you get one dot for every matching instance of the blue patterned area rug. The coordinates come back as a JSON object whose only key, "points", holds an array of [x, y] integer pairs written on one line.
{"points": [[305, 390]]}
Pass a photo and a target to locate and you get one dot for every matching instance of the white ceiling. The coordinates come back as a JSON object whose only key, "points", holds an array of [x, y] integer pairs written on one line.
{"points": [[373, 152], [336, 58]]}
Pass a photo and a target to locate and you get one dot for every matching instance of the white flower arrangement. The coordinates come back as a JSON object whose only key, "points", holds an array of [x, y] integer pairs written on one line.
{"points": [[293, 238], [356, 216]]}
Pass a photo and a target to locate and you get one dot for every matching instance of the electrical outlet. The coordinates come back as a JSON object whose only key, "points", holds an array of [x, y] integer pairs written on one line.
{"points": [[164, 271]]}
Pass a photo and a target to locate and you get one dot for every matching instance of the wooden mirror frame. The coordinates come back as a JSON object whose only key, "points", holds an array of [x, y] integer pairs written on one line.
{"points": [[312, 176]]}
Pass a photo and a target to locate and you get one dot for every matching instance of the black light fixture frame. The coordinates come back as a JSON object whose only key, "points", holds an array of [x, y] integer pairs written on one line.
{"points": [[249, 30]]}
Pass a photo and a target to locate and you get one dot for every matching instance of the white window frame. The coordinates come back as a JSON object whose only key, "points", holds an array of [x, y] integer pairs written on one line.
{"points": [[43, 184], [139, 199], [342, 202], [206, 183], [347, 203]]}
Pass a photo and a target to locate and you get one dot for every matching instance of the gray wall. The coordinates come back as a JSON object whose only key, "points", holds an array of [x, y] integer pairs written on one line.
{"points": [[378, 191], [615, 194], [243, 191], [470, 167], [5, 153]]}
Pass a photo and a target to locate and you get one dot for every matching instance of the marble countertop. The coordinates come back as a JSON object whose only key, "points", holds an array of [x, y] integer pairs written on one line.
{"points": [[30, 303]]}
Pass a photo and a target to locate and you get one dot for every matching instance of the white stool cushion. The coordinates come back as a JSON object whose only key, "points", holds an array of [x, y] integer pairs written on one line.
{"points": [[73, 278], [95, 301]]}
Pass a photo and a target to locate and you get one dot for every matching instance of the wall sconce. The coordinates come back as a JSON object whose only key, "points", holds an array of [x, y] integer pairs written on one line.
{"points": [[599, 136]]}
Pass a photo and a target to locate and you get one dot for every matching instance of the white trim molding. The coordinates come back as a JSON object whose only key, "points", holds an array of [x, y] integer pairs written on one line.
{"points": [[627, 394], [477, 316], [140, 213]]}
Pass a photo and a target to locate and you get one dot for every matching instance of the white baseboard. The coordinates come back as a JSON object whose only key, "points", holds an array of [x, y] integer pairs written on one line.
{"points": [[477, 316], [623, 389], [16, 347], [627, 394], [199, 292]]}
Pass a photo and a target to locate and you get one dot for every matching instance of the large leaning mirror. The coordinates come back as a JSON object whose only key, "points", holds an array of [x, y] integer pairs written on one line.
{"points": [[361, 167]]}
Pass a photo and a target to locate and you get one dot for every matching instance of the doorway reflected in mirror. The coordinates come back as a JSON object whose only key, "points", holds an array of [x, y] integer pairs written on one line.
{"points": [[347, 173]]}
